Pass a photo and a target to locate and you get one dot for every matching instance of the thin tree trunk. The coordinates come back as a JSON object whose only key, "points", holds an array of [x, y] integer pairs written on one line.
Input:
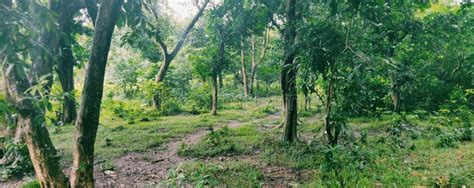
{"points": [[221, 82], [66, 78], [159, 78], [256, 64], [306, 102], [288, 77], [395, 94], [169, 56], [66, 72], [244, 71], [327, 114], [31, 117], [254, 67], [214, 94], [89, 113], [215, 72], [65, 69]]}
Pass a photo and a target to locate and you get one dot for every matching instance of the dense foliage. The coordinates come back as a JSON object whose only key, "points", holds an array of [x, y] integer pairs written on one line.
{"points": [[405, 65]]}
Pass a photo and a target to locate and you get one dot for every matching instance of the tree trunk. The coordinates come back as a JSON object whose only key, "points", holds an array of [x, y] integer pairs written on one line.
{"points": [[42, 152], [306, 102], [159, 78], [89, 113], [395, 94], [168, 57], [214, 94], [66, 59], [255, 65], [288, 76], [253, 70], [216, 71], [332, 138], [66, 78], [32, 124], [221, 82], [242, 59]]}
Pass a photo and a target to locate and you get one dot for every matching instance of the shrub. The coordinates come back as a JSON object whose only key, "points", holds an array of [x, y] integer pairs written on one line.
{"points": [[215, 143], [199, 98], [16, 161], [446, 140]]}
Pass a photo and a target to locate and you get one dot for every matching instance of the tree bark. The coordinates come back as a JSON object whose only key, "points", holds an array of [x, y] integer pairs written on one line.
{"points": [[89, 113], [66, 78], [288, 76], [91, 7], [215, 73], [244, 71], [214, 94], [221, 82], [242, 60], [31, 121], [332, 138], [254, 66], [66, 61], [395, 95]]}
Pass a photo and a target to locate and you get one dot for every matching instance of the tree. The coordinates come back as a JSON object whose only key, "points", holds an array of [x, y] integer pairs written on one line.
{"points": [[30, 96], [209, 60], [88, 116], [255, 63], [153, 30], [393, 23], [65, 63], [288, 74]]}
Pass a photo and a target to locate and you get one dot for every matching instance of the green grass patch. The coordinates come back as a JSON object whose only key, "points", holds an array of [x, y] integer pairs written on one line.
{"points": [[199, 174]]}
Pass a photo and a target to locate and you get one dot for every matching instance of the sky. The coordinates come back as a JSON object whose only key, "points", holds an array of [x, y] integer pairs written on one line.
{"points": [[182, 9]]}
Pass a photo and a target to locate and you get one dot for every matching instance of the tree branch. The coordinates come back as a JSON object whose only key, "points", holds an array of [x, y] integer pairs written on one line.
{"points": [[188, 29], [91, 7], [264, 50]]}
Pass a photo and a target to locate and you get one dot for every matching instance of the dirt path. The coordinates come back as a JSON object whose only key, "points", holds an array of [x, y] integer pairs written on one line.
{"points": [[149, 168]]}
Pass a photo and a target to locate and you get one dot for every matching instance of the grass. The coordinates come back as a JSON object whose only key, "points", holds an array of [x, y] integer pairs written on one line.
{"points": [[116, 137], [413, 157], [199, 174]]}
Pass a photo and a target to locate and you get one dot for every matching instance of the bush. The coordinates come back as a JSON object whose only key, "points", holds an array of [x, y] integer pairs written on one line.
{"points": [[16, 161], [465, 134], [215, 143], [446, 140], [199, 98]]}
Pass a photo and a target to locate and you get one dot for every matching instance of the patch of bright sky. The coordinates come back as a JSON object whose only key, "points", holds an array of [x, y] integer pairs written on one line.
{"points": [[182, 9]]}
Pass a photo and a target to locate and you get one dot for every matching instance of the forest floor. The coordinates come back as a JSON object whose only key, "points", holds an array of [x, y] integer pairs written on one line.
{"points": [[241, 146]]}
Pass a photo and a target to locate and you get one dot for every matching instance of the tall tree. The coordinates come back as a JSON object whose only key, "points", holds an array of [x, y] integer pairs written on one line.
{"points": [[288, 74], [255, 62], [89, 113], [153, 30], [26, 95]]}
